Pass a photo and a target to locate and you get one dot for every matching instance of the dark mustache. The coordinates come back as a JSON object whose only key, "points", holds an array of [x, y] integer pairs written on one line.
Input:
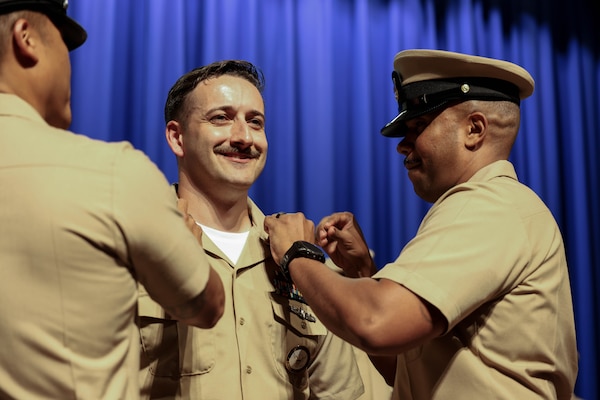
{"points": [[248, 152]]}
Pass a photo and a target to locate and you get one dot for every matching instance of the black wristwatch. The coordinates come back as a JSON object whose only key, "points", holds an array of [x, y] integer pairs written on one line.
{"points": [[300, 249]]}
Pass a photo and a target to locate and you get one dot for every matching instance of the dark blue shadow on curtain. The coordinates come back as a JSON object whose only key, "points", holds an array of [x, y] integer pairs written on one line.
{"points": [[327, 65]]}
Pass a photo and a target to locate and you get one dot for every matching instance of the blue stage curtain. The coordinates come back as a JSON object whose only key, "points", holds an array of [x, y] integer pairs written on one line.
{"points": [[328, 65]]}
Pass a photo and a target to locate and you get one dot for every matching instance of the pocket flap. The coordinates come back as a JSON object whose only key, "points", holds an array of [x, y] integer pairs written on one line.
{"points": [[297, 315]]}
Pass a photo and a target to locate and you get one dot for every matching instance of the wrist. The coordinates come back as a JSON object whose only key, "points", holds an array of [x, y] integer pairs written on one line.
{"points": [[300, 249]]}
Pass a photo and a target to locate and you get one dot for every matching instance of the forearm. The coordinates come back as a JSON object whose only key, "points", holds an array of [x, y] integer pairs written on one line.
{"points": [[378, 316], [331, 296]]}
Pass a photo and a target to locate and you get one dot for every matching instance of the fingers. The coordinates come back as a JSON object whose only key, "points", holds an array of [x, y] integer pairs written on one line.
{"points": [[284, 229], [334, 225], [293, 224], [339, 220]]}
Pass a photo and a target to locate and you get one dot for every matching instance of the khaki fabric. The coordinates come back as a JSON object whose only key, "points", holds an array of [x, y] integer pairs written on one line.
{"points": [[490, 257], [375, 386], [79, 220], [244, 356]]}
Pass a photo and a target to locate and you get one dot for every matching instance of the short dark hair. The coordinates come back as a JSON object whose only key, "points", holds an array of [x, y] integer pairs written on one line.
{"points": [[175, 106]]}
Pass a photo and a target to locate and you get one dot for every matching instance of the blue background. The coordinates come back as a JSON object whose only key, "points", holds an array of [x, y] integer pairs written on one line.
{"points": [[328, 65]]}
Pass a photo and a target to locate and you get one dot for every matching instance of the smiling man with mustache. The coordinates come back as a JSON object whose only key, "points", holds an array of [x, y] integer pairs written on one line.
{"points": [[268, 345]]}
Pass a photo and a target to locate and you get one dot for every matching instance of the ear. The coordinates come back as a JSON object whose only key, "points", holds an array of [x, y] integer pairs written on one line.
{"points": [[26, 43], [477, 130], [174, 135]]}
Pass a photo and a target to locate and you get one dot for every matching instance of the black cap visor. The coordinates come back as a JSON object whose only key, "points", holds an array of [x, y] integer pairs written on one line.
{"points": [[420, 98], [72, 33]]}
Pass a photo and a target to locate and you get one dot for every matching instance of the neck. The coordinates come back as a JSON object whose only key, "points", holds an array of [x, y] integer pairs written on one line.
{"points": [[228, 214]]}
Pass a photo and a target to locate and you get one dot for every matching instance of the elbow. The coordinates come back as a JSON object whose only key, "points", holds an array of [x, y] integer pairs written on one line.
{"points": [[379, 335], [214, 313], [384, 335], [207, 308], [372, 344], [211, 304], [207, 321], [370, 336]]}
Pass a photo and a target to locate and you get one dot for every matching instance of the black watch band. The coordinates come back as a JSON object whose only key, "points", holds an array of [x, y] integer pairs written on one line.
{"points": [[300, 249]]}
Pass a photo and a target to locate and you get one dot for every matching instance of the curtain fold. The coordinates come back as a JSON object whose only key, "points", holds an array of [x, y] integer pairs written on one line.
{"points": [[328, 91]]}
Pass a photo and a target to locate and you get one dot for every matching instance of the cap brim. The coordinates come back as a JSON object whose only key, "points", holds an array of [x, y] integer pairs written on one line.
{"points": [[397, 126], [427, 80], [72, 33]]}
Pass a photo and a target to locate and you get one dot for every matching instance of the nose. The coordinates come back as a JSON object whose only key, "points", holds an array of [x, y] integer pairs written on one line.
{"points": [[241, 135], [404, 146]]}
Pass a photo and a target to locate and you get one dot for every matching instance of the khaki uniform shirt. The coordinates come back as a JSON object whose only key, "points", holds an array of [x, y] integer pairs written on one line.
{"points": [[79, 220], [490, 257], [375, 386], [267, 346]]}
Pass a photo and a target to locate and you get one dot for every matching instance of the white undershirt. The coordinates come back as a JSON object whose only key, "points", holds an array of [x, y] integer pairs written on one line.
{"points": [[230, 243]]}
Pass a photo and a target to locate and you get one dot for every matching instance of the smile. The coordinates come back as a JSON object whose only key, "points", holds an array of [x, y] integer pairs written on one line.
{"points": [[411, 163]]}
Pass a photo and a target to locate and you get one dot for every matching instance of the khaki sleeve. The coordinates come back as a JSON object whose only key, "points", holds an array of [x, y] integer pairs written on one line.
{"points": [[163, 253]]}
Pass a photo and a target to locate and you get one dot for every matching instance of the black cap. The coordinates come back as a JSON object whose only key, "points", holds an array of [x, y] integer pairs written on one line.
{"points": [[430, 80], [72, 33]]}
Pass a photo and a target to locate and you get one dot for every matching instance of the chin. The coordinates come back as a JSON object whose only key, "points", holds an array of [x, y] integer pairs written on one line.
{"points": [[66, 123], [60, 123], [65, 118]]}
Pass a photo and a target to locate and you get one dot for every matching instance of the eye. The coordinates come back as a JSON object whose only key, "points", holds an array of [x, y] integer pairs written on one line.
{"points": [[256, 123], [219, 119], [417, 125], [421, 125]]}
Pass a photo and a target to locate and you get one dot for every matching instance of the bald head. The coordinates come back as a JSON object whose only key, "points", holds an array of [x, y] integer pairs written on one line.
{"points": [[501, 121]]}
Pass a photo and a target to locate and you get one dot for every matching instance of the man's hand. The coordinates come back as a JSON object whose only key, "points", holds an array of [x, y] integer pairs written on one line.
{"points": [[190, 222], [285, 229], [342, 239]]}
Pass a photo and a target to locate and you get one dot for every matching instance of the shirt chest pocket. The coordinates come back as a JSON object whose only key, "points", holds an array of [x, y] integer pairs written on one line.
{"points": [[163, 340], [296, 333], [158, 336]]}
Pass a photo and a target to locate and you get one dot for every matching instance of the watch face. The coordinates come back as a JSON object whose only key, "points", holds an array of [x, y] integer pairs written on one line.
{"points": [[297, 359], [300, 249], [312, 247], [307, 249]]}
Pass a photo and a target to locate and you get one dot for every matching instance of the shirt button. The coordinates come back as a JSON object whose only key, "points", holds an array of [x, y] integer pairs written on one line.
{"points": [[303, 324], [242, 321], [248, 369]]}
